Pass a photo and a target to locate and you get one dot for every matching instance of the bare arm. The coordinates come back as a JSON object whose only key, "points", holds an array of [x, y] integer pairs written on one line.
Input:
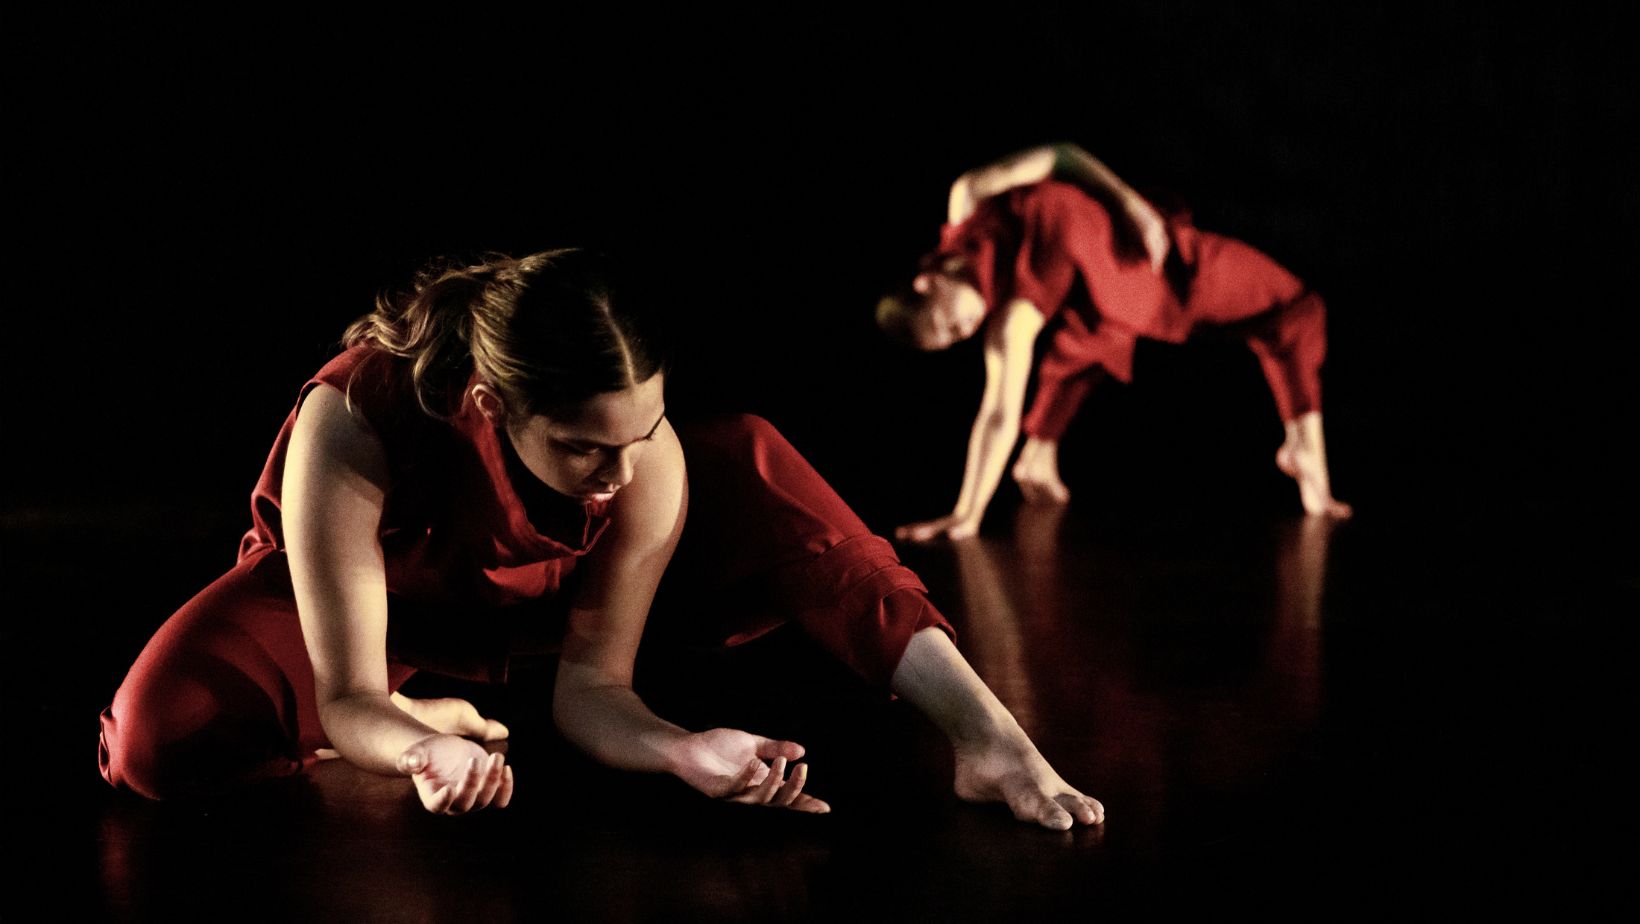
{"points": [[1063, 161], [1008, 344], [334, 488], [996, 178], [1009, 339], [594, 703]]}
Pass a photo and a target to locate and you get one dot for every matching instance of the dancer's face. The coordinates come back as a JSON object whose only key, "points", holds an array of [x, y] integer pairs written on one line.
{"points": [[951, 311], [592, 454]]}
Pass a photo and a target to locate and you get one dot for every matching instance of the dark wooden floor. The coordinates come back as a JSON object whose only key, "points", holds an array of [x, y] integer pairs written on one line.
{"points": [[1408, 712]]}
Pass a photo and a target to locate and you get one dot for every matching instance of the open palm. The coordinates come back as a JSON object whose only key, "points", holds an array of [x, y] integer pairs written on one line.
{"points": [[738, 766]]}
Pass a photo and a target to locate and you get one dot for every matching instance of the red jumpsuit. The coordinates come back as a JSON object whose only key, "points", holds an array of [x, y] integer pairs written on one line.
{"points": [[224, 693], [1054, 246]]}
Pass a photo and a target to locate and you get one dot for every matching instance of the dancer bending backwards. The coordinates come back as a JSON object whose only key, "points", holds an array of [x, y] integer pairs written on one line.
{"points": [[493, 447], [1022, 248]]}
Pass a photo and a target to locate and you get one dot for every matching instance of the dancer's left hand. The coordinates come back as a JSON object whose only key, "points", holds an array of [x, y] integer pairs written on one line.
{"points": [[737, 766]]}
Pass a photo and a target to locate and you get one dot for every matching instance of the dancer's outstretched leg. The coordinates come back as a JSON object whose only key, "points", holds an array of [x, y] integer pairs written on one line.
{"points": [[996, 761]]}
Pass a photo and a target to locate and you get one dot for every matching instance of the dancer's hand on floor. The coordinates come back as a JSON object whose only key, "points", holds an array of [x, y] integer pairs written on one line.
{"points": [[949, 527], [454, 776], [729, 764]]}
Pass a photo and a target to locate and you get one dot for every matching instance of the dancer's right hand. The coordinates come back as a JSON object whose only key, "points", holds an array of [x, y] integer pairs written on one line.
{"points": [[454, 776]]}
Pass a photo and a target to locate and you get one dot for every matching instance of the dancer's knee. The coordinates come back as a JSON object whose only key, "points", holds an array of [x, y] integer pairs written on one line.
{"points": [[170, 737]]}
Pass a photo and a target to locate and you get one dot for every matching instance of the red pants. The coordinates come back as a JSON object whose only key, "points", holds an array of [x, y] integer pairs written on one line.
{"points": [[1235, 288], [224, 694]]}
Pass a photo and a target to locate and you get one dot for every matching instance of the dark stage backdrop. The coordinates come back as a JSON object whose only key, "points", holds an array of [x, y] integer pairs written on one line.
{"points": [[198, 204]]}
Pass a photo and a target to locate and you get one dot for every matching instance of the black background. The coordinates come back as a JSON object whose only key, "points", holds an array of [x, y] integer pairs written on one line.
{"points": [[199, 203]]}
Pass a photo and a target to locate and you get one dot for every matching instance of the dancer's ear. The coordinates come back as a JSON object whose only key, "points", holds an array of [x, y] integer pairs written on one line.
{"points": [[489, 403]]}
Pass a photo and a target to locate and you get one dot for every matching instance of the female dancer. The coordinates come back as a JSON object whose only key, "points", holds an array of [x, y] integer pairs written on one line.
{"points": [[1021, 247], [491, 446]]}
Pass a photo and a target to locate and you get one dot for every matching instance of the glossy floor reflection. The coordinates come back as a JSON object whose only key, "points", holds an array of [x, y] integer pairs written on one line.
{"points": [[1282, 717]]}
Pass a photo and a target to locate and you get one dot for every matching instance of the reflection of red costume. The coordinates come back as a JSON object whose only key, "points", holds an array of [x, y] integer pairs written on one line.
{"points": [[1054, 246], [224, 692]]}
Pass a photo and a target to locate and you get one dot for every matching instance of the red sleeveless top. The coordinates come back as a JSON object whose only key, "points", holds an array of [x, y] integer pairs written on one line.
{"points": [[463, 522]]}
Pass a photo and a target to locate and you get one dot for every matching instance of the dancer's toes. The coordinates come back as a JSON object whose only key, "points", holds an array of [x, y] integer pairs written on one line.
{"points": [[1309, 469], [1014, 774], [1085, 810], [1037, 472], [1056, 492], [1319, 502], [1057, 820], [1040, 490], [1037, 807], [1338, 510]]}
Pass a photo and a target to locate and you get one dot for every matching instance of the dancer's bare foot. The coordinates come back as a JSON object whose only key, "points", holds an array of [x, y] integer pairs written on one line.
{"points": [[1037, 472], [1303, 458], [1011, 771], [953, 527], [996, 761]]}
